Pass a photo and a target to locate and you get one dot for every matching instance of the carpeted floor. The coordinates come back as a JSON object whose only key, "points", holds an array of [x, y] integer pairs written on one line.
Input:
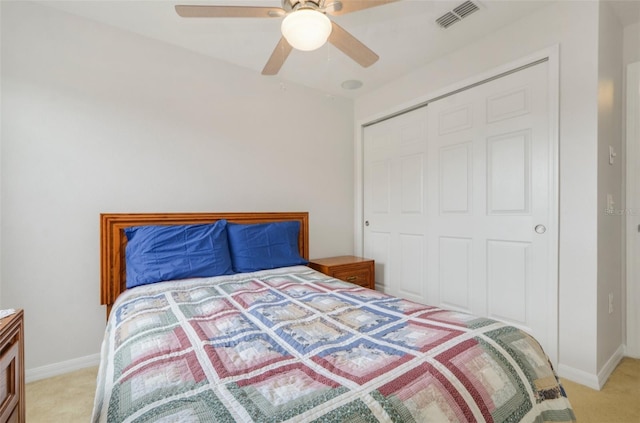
{"points": [[66, 398], [617, 402], [69, 398]]}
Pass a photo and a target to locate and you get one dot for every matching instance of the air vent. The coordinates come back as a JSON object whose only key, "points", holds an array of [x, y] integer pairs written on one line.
{"points": [[458, 13], [447, 20], [465, 9]]}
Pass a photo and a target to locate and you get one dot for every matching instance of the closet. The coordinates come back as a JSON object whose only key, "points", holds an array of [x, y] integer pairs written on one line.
{"points": [[460, 201]]}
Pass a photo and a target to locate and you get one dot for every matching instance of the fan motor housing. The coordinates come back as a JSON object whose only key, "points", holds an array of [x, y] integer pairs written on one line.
{"points": [[291, 5]]}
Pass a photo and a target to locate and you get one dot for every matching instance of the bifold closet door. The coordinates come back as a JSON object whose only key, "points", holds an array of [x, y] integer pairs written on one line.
{"points": [[462, 218]]}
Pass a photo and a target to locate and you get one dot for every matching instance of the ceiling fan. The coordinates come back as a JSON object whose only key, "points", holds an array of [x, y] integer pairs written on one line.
{"points": [[305, 26]]}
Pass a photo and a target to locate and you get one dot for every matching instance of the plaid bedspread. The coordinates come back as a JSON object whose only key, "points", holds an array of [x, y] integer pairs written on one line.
{"points": [[295, 345]]}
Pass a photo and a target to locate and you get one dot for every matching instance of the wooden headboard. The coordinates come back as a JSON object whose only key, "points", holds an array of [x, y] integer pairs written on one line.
{"points": [[113, 240]]}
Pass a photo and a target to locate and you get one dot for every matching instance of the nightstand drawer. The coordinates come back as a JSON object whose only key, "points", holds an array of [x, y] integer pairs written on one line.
{"points": [[360, 277]]}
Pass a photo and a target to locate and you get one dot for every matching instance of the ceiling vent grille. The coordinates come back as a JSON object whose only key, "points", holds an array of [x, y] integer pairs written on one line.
{"points": [[447, 20], [457, 14]]}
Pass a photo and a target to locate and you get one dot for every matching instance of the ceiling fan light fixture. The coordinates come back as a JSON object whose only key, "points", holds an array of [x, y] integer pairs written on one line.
{"points": [[306, 29]]}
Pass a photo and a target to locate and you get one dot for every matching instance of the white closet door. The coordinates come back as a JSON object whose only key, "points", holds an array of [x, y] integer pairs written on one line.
{"points": [[468, 240], [488, 172], [395, 207]]}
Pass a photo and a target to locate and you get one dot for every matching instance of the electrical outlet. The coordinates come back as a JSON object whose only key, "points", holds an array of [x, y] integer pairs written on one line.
{"points": [[610, 302]]}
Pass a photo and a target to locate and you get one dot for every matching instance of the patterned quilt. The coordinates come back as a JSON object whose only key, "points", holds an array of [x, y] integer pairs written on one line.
{"points": [[294, 345]]}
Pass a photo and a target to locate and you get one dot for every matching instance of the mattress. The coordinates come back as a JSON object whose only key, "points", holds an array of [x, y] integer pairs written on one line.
{"points": [[292, 344]]}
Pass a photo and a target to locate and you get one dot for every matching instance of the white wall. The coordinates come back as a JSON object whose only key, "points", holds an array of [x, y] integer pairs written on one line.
{"points": [[610, 177], [574, 27], [631, 50], [99, 120]]}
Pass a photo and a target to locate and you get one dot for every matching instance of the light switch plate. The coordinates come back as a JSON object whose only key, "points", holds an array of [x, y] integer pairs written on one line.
{"points": [[612, 155]]}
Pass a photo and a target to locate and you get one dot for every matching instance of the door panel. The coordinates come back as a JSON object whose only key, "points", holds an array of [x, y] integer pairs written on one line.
{"points": [[381, 186], [507, 105], [412, 188], [508, 173], [411, 277], [508, 279], [455, 119], [455, 272], [379, 246], [455, 179]]}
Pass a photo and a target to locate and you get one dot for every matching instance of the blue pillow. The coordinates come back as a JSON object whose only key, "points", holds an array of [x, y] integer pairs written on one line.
{"points": [[264, 245], [163, 253]]}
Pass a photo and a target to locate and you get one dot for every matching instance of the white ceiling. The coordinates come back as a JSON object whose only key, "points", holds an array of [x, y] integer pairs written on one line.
{"points": [[404, 34]]}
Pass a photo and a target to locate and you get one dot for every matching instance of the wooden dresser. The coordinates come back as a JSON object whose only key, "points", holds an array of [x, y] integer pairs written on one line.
{"points": [[12, 405], [357, 270]]}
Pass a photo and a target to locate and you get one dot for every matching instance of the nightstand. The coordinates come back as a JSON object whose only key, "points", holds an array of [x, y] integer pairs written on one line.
{"points": [[12, 405], [357, 270]]}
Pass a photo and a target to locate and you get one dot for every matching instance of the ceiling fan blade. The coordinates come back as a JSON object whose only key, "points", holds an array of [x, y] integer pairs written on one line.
{"points": [[229, 12], [351, 46], [279, 55], [340, 7]]}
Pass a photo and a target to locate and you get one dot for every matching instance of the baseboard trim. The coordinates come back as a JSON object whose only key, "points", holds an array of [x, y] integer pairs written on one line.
{"points": [[56, 369], [578, 376], [610, 366], [591, 380]]}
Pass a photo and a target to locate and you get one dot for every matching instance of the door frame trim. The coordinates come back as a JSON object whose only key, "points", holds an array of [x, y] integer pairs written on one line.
{"points": [[632, 348], [552, 56]]}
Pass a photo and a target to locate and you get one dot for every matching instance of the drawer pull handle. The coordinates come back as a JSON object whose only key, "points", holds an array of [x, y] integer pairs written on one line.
{"points": [[352, 278]]}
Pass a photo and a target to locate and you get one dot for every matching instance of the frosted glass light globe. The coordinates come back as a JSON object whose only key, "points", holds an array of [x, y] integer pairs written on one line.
{"points": [[306, 29]]}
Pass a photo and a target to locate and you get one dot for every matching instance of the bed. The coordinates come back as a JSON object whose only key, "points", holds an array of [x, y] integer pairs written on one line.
{"points": [[291, 344]]}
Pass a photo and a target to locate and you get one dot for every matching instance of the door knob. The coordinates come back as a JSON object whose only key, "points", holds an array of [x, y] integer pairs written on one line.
{"points": [[540, 229], [366, 223]]}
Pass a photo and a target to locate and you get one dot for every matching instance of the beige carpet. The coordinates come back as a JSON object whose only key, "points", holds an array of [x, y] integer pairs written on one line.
{"points": [[69, 398], [66, 398], [617, 402]]}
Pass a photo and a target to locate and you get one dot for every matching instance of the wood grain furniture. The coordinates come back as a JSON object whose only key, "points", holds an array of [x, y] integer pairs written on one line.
{"points": [[357, 270], [12, 398], [113, 240]]}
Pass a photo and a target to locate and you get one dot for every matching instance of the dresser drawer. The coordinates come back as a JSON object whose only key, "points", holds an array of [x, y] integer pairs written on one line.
{"points": [[15, 416], [12, 397], [9, 381]]}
